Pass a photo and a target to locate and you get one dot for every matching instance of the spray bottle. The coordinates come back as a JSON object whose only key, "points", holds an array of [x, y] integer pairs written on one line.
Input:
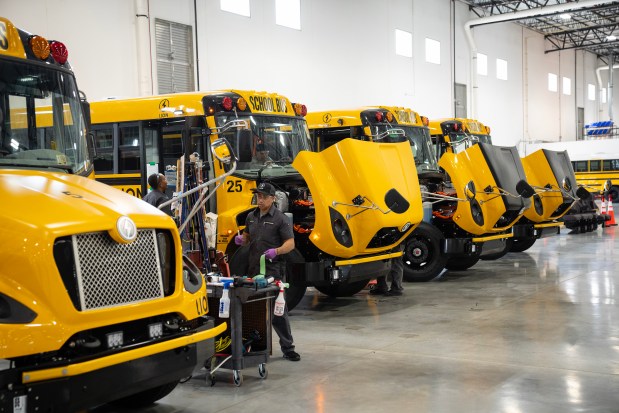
{"points": [[224, 301], [280, 302]]}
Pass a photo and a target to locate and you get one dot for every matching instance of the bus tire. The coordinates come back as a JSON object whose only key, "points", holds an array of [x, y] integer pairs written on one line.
{"points": [[294, 273], [614, 193], [507, 246], [147, 397], [342, 290], [522, 244], [422, 259], [462, 263]]}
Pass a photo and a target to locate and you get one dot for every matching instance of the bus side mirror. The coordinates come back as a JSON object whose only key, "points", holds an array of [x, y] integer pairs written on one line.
{"points": [[524, 189], [222, 150], [582, 193], [245, 143]]}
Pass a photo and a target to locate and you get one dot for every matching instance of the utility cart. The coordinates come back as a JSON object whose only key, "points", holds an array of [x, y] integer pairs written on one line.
{"points": [[247, 340]]}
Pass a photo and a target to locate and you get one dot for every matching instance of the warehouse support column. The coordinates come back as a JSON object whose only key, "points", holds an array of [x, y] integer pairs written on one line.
{"points": [[611, 59], [142, 28]]}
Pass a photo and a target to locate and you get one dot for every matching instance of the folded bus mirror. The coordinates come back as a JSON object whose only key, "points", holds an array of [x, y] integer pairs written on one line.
{"points": [[396, 202], [469, 190], [582, 193], [245, 144], [524, 189], [566, 184], [222, 151]]}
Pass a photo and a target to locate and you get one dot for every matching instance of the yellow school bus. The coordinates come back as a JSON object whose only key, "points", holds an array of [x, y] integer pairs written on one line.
{"points": [[548, 172], [593, 171], [349, 209], [462, 224], [91, 282]]}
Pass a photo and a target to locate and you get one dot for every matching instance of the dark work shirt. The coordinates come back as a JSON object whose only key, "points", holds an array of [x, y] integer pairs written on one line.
{"points": [[156, 198], [268, 231]]}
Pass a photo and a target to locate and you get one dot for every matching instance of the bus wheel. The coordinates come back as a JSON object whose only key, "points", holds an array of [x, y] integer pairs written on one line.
{"points": [[342, 290], [461, 263], [146, 397], [614, 193], [507, 247], [422, 257], [522, 244]]}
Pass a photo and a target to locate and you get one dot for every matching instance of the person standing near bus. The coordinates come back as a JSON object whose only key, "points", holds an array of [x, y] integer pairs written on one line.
{"points": [[157, 196], [268, 231]]}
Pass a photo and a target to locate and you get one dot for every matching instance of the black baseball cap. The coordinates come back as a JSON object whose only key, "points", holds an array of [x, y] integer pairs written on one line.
{"points": [[265, 188]]}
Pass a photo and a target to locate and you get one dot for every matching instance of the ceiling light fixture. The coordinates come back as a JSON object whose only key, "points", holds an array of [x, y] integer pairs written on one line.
{"points": [[565, 16], [611, 38]]}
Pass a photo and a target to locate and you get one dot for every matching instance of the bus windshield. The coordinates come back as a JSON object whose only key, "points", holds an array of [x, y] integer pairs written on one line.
{"points": [[419, 139], [276, 141], [41, 120]]}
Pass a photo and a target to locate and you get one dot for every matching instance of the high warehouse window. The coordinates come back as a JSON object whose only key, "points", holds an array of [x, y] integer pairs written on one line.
{"points": [[403, 43], [433, 51], [288, 13], [552, 82], [591, 91], [482, 64], [174, 44], [567, 86], [501, 69], [240, 7]]}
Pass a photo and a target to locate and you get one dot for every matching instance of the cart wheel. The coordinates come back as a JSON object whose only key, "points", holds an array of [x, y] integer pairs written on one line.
{"points": [[262, 370], [210, 378], [237, 376]]}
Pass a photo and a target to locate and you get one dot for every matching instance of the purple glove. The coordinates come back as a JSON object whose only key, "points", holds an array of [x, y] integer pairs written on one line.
{"points": [[239, 240], [270, 253]]}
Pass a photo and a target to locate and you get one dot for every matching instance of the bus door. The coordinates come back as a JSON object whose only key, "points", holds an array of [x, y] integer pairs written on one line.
{"points": [[172, 150]]}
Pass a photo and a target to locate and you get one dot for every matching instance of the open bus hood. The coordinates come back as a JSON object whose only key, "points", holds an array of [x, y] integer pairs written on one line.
{"points": [[349, 169], [548, 169], [489, 167]]}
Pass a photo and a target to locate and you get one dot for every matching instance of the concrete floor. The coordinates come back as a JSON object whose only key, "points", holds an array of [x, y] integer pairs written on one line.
{"points": [[532, 332]]}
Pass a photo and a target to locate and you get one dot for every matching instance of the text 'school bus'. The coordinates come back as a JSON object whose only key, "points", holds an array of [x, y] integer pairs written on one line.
{"points": [[350, 208], [94, 306]]}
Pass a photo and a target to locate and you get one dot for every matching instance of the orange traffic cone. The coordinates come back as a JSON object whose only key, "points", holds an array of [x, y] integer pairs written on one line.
{"points": [[611, 222], [603, 208]]}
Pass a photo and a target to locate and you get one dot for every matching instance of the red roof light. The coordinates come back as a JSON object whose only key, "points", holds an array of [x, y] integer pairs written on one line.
{"points": [[59, 52], [226, 103]]}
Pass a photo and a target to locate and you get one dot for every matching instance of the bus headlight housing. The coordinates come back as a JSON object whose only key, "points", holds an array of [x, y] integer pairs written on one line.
{"points": [[14, 312]]}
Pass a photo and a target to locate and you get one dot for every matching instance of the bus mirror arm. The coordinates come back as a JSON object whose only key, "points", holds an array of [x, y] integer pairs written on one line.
{"points": [[390, 132], [233, 124]]}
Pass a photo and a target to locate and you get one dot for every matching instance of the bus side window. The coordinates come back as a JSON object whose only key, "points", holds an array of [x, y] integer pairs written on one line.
{"points": [[129, 149], [611, 165], [104, 144], [595, 166], [580, 166]]}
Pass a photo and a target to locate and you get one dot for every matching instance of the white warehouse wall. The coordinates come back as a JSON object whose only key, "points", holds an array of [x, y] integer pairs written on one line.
{"points": [[343, 56]]}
